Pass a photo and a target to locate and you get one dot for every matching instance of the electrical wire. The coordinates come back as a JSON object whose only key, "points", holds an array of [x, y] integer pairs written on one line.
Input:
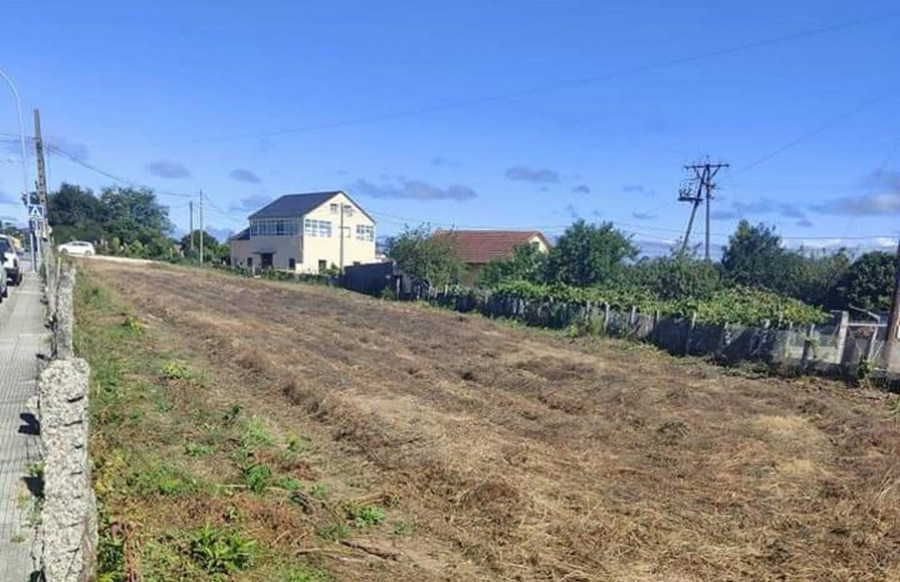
{"points": [[75, 159], [540, 89]]}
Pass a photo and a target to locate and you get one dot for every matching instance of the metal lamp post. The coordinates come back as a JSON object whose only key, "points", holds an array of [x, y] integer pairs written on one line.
{"points": [[15, 92]]}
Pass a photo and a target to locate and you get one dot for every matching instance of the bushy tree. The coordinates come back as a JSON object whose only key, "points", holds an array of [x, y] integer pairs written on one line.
{"points": [[212, 250], [867, 284], [588, 254], [676, 277], [75, 214], [527, 263], [427, 257], [754, 256]]}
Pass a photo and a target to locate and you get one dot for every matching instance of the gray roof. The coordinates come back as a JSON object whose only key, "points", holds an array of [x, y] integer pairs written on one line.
{"points": [[292, 205]]}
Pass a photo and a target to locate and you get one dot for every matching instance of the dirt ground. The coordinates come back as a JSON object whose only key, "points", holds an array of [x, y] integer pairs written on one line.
{"points": [[522, 455]]}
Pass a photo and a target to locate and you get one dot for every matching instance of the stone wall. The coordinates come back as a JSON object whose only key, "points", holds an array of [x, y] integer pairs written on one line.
{"points": [[69, 513]]}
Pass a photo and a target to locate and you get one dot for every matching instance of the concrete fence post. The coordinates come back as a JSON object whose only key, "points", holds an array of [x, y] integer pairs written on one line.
{"points": [[63, 318], [605, 317], [690, 331], [808, 346], [69, 514]]}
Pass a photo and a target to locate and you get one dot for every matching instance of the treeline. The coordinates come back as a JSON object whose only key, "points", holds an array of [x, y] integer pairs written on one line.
{"points": [[124, 221], [601, 262]]}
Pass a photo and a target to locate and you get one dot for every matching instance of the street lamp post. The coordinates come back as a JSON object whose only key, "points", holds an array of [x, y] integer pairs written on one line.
{"points": [[15, 92]]}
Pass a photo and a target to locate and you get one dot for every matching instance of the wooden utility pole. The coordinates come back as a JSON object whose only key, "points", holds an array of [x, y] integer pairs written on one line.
{"points": [[201, 228], [704, 174], [42, 170], [893, 324], [40, 233], [191, 206]]}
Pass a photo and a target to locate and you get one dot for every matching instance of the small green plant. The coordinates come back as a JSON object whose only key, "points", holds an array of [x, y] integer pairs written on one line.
{"points": [[387, 294], [257, 476], [296, 443], [256, 435], [133, 326], [305, 573], [864, 371], [197, 450], [366, 515], [319, 491], [404, 529], [162, 480], [232, 413], [221, 552], [290, 484], [173, 370]]}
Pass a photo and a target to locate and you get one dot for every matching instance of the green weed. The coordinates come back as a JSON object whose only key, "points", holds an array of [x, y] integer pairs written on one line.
{"points": [[290, 484], [173, 370], [365, 516], [257, 476], [133, 326], [404, 529], [319, 491], [197, 450], [232, 413], [304, 573], [221, 552]]}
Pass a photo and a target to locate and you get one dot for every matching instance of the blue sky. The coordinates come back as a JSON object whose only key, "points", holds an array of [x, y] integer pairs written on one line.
{"points": [[475, 114]]}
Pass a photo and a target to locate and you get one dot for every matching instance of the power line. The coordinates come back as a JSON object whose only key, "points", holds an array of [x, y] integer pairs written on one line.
{"points": [[821, 128], [542, 89], [75, 159]]}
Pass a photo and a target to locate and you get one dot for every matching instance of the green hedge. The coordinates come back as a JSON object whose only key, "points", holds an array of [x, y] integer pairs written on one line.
{"points": [[740, 305]]}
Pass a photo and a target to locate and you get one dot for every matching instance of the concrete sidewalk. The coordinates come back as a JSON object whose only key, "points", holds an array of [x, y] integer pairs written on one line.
{"points": [[22, 337]]}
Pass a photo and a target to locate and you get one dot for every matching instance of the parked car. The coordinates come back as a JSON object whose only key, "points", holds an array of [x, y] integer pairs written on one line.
{"points": [[4, 285], [11, 265], [78, 248]]}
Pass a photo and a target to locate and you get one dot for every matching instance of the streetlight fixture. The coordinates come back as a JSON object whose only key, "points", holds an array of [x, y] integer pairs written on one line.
{"points": [[15, 92]]}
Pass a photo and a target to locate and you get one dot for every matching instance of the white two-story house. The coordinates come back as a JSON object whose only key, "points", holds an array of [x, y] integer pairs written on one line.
{"points": [[306, 233]]}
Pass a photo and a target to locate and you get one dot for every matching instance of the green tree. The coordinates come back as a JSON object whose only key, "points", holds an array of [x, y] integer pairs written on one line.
{"points": [[527, 263], [212, 249], [134, 215], [811, 276], [867, 284], [588, 254], [425, 256], [676, 277], [754, 256], [75, 214]]}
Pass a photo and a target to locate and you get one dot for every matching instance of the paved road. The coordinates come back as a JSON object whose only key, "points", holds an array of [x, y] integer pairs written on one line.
{"points": [[22, 336]]}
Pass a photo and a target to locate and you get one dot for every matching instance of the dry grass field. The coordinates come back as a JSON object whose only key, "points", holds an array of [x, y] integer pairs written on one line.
{"points": [[495, 452]]}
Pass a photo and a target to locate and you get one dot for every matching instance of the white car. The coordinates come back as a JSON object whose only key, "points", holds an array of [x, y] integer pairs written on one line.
{"points": [[10, 260], [77, 248]]}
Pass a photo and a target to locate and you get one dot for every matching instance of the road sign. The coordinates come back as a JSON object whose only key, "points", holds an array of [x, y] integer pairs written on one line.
{"points": [[36, 212]]}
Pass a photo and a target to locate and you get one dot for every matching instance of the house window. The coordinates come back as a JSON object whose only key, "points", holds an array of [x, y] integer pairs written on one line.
{"points": [[292, 264], [274, 227], [334, 208], [365, 232], [323, 265], [320, 228], [348, 210], [249, 262]]}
